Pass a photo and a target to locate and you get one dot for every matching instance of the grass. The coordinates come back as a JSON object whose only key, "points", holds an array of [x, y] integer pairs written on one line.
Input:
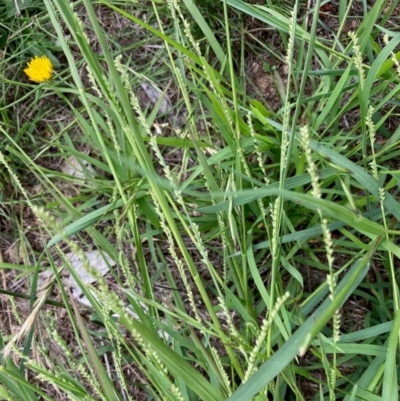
{"points": [[255, 245]]}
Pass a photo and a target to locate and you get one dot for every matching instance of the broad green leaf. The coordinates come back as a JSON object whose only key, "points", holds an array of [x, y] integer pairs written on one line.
{"points": [[85, 221], [330, 209]]}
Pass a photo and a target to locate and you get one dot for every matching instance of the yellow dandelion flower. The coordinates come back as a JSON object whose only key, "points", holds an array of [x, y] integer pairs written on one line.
{"points": [[39, 69]]}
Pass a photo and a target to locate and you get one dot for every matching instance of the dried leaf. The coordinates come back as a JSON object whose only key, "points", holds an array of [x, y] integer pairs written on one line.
{"points": [[73, 167], [97, 260]]}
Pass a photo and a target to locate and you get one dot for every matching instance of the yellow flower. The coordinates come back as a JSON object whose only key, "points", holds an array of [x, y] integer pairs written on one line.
{"points": [[39, 69]]}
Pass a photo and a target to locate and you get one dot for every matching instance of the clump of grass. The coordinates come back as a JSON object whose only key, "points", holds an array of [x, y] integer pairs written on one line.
{"points": [[211, 303]]}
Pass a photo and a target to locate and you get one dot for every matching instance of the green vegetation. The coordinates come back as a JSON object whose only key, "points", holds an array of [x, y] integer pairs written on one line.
{"points": [[234, 165]]}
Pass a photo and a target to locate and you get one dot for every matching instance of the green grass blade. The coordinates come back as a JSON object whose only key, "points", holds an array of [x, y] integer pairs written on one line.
{"points": [[105, 382], [359, 174], [306, 332], [390, 383], [208, 33], [333, 210]]}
